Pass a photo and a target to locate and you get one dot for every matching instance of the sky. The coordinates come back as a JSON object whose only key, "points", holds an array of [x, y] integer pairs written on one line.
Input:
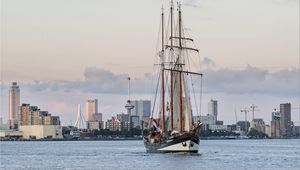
{"points": [[63, 52]]}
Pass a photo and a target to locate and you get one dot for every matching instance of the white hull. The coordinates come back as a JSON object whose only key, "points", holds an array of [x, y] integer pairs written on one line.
{"points": [[187, 146]]}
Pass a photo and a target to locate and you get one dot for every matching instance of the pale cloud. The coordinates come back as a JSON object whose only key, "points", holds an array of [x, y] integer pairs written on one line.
{"points": [[225, 80]]}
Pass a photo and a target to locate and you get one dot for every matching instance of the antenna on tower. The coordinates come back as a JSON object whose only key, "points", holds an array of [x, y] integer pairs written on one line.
{"points": [[128, 88], [80, 119]]}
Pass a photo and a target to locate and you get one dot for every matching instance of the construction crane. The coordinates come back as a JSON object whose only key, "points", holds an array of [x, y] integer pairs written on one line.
{"points": [[252, 107], [245, 111]]}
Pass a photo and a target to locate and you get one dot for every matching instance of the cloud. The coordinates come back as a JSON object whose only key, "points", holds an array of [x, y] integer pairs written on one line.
{"points": [[96, 80], [250, 80], [208, 62], [191, 3]]}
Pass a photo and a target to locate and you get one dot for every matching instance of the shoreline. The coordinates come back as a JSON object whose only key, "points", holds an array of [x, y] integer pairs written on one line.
{"points": [[134, 139]]}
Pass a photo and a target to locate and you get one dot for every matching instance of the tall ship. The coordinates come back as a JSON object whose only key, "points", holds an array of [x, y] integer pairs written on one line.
{"points": [[172, 126]]}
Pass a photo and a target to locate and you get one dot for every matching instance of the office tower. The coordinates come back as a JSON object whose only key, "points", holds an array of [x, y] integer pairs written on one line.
{"points": [[13, 105], [142, 108], [97, 117], [285, 120], [91, 108], [213, 108], [275, 125]]}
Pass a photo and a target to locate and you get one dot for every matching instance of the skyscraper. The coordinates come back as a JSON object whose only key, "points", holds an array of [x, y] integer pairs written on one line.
{"points": [[275, 125], [91, 108], [13, 105], [213, 108], [142, 108], [285, 120]]}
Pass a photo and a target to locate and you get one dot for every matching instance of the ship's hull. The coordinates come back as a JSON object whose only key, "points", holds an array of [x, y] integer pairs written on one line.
{"points": [[185, 143]]}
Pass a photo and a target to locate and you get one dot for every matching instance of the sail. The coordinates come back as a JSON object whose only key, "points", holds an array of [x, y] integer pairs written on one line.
{"points": [[176, 101], [187, 108]]}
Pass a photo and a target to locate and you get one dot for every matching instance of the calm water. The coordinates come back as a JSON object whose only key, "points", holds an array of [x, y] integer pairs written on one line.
{"points": [[213, 154]]}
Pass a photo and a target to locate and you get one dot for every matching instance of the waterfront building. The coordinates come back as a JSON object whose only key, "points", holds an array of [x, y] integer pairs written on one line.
{"points": [[95, 125], [218, 127], [243, 125], [13, 105], [207, 120], [142, 108], [258, 124], [213, 108], [135, 122], [296, 131], [123, 117], [41, 131], [26, 115], [97, 117], [285, 119], [114, 124], [2, 125], [233, 127], [91, 108], [32, 115], [268, 131], [47, 120], [55, 120], [275, 125]]}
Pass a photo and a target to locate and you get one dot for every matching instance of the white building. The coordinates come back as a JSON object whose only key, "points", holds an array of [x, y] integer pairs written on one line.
{"points": [[268, 130], [258, 124], [218, 127], [213, 108], [13, 105], [41, 131], [208, 120], [91, 108], [95, 125]]}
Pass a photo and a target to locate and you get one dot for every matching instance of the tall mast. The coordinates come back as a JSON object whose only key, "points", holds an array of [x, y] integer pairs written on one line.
{"points": [[172, 24], [179, 9], [162, 72], [180, 74], [171, 74]]}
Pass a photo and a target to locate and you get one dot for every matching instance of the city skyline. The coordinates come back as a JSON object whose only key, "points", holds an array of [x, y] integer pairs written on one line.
{"points": [[212, 108], [260, 63]]}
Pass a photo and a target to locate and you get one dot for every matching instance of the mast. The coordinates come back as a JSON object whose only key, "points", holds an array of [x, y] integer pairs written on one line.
{"points": [[180, 73], [172, 23], [171, 74], [179, 8], [162, 73]]}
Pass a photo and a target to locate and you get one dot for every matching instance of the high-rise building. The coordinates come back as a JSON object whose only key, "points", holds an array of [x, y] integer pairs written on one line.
{"points": [[275, 125], [135, 122], [213, 108], [258, 124], [142, 108], [31, 115], [28, 115], [91, 108], [285, 120], [13, 105], [97, 117]]}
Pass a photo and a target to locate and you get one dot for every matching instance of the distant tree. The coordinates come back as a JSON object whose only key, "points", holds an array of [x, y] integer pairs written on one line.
{"points": [[255, 134]]}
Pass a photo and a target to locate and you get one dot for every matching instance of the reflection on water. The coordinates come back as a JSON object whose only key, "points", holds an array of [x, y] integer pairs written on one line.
{"points": [[213, 154]]}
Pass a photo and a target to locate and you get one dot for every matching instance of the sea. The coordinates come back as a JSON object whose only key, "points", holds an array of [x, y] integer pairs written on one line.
{"points": [[118, 155]]}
